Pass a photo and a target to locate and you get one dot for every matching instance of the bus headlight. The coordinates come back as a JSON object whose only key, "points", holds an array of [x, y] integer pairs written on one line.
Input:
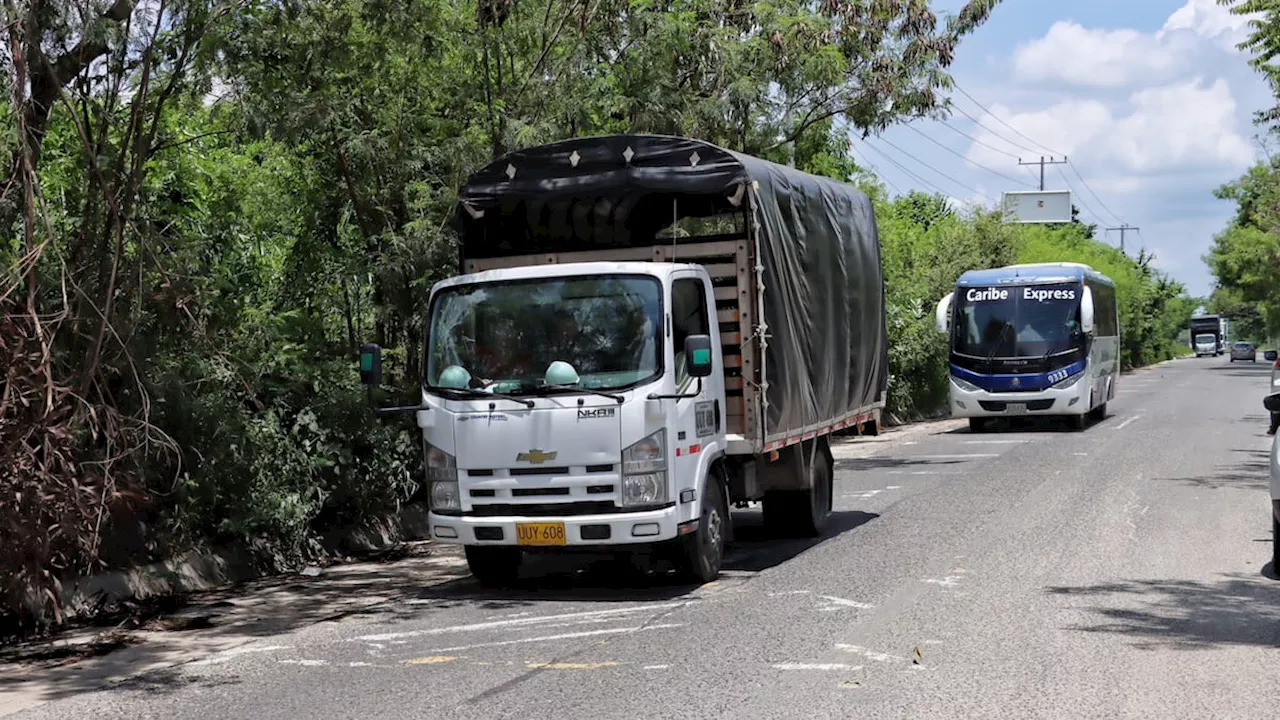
{"points": [[964, 385], [644, 471]]}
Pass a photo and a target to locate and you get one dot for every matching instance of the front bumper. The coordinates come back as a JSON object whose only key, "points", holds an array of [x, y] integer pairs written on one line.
{"points": [[636, 528], [1073, 400]]}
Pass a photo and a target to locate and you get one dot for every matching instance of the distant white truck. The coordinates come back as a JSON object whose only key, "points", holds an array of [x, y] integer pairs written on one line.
{"points": [[649, 331]]}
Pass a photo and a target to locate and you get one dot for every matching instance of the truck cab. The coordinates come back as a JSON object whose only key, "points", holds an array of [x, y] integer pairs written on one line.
{"points": [[1206, 344], [565, 396]]}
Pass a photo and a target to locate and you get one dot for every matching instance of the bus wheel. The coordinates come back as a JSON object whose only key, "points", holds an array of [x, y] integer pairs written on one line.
{"points": [[1075, 422], [1099, 413]]}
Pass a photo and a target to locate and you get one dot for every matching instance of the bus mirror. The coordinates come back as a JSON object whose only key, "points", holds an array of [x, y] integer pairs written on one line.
{"points": [[1086, 311], [1272, 403], [942, 314]]}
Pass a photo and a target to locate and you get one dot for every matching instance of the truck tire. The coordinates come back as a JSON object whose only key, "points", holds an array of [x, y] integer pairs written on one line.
{"points": [[494, 566], [802, 513], [702, 553]]}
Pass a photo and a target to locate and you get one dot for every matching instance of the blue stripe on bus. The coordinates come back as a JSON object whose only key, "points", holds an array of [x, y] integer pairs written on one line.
{"points": [[1024, 383]]}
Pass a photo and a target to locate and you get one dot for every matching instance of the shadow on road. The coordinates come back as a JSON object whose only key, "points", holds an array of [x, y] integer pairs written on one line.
{"points": [[1252, 471], [1238, 610], [620, 578], [1029, 424]]}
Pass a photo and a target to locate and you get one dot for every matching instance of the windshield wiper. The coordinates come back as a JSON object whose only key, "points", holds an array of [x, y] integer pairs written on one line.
{"points": [[473, 393], [995, 347], [548, 389]]}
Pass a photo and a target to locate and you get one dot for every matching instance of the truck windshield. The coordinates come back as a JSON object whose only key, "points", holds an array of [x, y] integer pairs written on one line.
{"points": [[505, 335], [1205, 339], [1017, 321]]}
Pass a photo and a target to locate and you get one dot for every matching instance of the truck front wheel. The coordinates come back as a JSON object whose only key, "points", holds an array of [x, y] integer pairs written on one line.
{"points": [[494, 566], [802, 513], [702, 552]]}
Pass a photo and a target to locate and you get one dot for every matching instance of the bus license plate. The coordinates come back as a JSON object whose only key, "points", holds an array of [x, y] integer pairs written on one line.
{"points": [[543, 534], [1016, 408]]}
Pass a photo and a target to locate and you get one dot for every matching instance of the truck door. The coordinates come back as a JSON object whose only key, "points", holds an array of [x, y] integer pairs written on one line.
{"points": [[697, 422]]}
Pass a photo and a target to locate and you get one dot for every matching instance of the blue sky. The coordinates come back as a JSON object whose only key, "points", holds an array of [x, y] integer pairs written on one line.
{"points": [[1149, 100]]}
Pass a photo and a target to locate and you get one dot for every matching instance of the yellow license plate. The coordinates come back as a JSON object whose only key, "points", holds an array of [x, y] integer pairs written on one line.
{"points": [[550, 533]]}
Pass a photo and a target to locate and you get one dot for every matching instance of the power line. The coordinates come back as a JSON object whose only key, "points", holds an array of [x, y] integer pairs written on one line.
{"points": [[1076, 197], [922, 163], [904, 169], [1091, 192], [1002, 122], [1013, 143], [876, 171], [976, 141], [1073, 168], [962, 157]]}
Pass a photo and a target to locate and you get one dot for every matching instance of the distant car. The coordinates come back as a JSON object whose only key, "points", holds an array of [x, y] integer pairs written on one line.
{"points": [[1244, 351], [1272, 403]]}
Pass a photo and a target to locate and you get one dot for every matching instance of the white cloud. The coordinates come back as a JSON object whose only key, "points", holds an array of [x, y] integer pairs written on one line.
{"points": [[1115, 58], [1186, 125]]}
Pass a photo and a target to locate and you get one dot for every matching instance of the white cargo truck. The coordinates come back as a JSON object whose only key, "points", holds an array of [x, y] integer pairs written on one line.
{"points": [[650, 331]]}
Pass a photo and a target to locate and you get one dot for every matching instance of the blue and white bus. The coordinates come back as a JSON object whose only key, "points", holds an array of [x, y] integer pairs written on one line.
{"points": [[1039, 339]]}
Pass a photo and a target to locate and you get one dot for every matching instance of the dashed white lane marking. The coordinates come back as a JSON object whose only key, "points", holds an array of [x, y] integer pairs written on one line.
{"points": [[815, 666], [656, 667], [1125, 424], [514, 623], [562, 636], [869, 654], [838, 603], [305, 663]]}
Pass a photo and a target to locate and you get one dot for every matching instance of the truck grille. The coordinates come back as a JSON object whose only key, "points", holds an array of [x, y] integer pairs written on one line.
{"points": [[569, 509]]}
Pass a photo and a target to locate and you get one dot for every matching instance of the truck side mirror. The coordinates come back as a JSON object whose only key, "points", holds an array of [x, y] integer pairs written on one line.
{"points": [[942, 313], [370, 365], [697, 355]]}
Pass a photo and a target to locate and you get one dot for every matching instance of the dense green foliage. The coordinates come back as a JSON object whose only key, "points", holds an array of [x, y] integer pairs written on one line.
{"points": [[209, 205]]}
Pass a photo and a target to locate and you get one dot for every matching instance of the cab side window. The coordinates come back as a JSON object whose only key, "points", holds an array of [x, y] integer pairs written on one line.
{"points": [[689, 316]]}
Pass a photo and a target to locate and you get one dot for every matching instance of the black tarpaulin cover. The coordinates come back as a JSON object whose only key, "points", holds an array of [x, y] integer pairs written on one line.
{"points": [[827, 352]]}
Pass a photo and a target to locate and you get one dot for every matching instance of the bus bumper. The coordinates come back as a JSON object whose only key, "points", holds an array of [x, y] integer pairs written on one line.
{"points": [[971, 402]]}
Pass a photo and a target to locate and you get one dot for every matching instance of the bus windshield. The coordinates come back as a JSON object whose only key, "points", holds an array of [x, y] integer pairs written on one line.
{"points": [[1017, 321]]}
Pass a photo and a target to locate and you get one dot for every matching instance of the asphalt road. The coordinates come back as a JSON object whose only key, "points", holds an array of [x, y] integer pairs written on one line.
{"points": [[1117, 572]]}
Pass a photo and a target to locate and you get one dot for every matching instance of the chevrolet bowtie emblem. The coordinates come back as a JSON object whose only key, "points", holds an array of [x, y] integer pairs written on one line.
{"points": [[536, 457]]}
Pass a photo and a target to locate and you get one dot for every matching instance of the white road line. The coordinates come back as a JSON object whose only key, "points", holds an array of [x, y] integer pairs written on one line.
{"points": [[837, 603], [656, 667], [521, 622], [815, 666], [1124, 424], [869, 654], [562, 636]]}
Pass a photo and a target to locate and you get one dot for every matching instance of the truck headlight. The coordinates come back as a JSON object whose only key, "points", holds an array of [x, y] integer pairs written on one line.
{"points": [[644, 471], [442, 474], [1067, 381], [964, 384]]}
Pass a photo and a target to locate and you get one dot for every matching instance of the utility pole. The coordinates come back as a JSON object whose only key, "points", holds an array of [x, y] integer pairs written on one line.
{"points": [[1123, 228], [1042, 162]]}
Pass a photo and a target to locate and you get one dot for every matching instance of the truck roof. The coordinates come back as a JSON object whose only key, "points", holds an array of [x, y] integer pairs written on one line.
{"points": [[533, 272], [1032, 273]]}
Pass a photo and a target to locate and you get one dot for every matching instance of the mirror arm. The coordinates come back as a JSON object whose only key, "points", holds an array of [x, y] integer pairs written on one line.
{"points": [[677, 397]]}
